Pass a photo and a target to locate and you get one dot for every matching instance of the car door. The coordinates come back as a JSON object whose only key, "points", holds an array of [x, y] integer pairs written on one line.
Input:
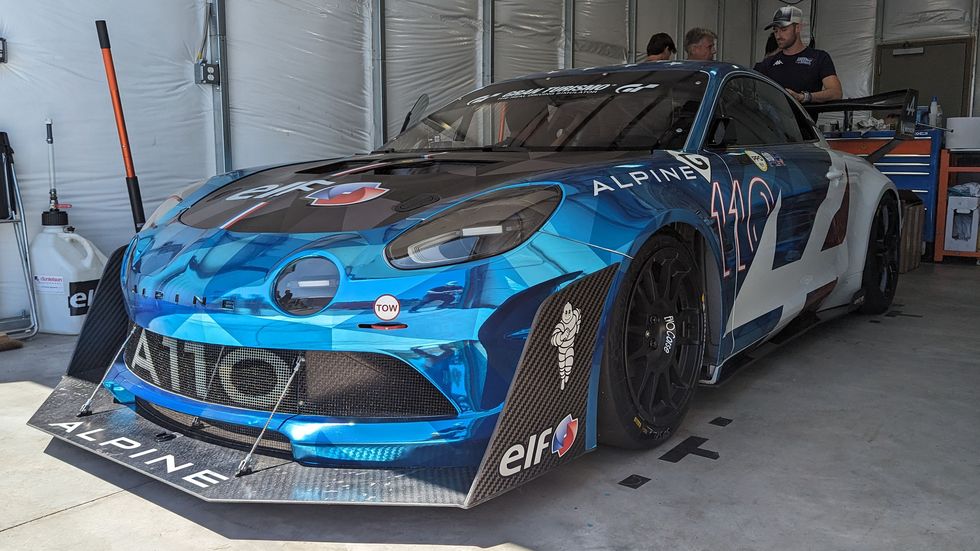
{"points": [[779, 200]]}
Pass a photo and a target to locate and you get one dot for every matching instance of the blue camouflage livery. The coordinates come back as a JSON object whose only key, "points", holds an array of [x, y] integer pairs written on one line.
{"points": [[780, 226]]}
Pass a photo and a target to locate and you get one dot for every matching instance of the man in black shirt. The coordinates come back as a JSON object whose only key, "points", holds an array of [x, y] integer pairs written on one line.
{"points": [[807, 74]]}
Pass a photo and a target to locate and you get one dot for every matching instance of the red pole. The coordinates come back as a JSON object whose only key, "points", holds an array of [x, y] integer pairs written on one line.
{"points": [[132, 182]]}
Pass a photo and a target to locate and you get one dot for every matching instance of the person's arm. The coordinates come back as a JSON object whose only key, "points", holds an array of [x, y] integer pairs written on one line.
{"points": [[832, 89]]}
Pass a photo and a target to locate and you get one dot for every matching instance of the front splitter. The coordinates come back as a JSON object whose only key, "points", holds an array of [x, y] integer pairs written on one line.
{"points": [[207, 470]]}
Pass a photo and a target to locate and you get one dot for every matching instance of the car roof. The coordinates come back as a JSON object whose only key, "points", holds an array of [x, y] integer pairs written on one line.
{"points": [[714, 68]]}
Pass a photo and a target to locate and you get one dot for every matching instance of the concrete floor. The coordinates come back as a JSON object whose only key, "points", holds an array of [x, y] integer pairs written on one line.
{"points": [[862, 434]]}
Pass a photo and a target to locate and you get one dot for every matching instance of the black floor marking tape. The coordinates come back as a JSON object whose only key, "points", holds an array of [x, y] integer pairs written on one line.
{"points": [[895, 313], [634, 481], [690, 446], [720, 421], [874, 321]]}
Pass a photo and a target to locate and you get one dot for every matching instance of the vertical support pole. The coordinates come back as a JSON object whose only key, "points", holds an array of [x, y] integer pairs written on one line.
{"points": [[755, 33], [975, 31], [720, 29], [378, 90], [879, 38], [219, 93], [631, 34], [486, 16], [486, 65], [569, 35], [879, 21], [813, 21], [681, 24]]}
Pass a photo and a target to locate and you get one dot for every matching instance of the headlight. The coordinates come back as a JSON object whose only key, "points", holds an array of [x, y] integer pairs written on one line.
{"points": [[171, 202], [485, 226], [305, 286]]}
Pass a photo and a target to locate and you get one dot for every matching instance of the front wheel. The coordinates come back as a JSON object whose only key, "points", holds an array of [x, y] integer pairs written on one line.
{"points": [[654, 346], [881, 264]]}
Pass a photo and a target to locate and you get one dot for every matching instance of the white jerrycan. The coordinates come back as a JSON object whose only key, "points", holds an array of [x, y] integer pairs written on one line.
{"points": [[66, 269]]}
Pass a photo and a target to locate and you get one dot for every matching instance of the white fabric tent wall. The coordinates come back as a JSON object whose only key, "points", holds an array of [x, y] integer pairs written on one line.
{"points": [[432, 47], [299, 88], [908, 19], [736, 32], [850, 40], [699, 13], [657, 17], [55, 70], [601, 32], [527, 37]]}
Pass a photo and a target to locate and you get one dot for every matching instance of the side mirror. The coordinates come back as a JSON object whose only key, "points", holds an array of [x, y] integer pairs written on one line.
{"points": [[415, 113], [717, 132]]}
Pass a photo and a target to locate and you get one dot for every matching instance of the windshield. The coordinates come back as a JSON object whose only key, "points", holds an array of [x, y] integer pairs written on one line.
{"points": [[640, 110]]}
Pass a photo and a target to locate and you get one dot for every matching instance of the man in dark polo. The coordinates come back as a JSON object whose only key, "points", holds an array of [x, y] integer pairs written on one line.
{"points": [[807, 74]]}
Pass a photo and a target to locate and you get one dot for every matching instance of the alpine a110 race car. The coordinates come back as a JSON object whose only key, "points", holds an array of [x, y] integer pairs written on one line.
{"points": [[540, 266]]}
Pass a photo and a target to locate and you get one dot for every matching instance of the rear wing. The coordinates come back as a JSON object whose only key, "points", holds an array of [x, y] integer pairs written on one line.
{"points": [[902, 102]]}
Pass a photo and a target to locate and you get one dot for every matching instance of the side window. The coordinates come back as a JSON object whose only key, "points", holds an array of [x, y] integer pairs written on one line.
{"points": [[758, 114], [807, 130]]}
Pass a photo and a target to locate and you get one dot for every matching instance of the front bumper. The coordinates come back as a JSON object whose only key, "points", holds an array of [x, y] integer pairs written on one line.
{"points": [[455, 440], [547, 419]]}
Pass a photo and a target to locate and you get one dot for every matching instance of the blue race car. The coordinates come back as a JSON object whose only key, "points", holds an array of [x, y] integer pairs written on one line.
{"points": [[542, 265]]}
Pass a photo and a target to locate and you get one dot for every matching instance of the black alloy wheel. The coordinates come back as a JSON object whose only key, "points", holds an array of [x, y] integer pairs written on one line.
{"points": [[655, 347], [881, 264], [661, 334]]}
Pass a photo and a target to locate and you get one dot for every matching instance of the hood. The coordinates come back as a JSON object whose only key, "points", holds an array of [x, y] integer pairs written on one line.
{"points": [[370, 191]]}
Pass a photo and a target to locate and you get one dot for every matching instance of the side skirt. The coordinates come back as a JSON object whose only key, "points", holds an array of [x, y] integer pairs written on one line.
{"points": [[806, 321]]}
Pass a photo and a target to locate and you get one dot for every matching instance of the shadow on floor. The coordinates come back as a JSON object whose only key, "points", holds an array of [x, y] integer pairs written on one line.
{"points": [[519, 517]]}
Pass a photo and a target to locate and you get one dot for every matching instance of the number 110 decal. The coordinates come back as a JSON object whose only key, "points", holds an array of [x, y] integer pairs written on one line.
{"points": [[736, 213]]}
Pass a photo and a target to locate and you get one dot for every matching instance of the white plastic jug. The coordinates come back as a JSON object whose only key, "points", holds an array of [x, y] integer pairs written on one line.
{"points": [[66, 269]]}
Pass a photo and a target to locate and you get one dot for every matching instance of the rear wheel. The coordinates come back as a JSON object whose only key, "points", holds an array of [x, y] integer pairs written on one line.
{"points": [[881, 265], [654, 346]]}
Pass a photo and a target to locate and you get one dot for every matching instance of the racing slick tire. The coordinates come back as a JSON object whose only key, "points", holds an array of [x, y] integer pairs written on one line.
{"points": [[881, 264], [654, 346]]}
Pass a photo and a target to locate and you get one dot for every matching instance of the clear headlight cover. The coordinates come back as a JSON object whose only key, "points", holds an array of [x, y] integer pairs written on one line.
{"points": [[170, 202], [306, 286], [485, 226]]}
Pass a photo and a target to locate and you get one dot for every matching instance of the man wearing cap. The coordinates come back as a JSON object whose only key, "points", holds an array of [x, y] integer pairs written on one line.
{"points": [[807, 74]]}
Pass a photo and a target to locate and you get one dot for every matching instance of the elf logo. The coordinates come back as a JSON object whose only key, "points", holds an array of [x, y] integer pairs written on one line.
{"points": [[346, 194], [275, 190], [334, 195], [520, 457], [80, 295]]}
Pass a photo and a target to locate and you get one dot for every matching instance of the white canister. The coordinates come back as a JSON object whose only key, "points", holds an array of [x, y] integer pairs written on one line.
{"points": [[67, 268]]}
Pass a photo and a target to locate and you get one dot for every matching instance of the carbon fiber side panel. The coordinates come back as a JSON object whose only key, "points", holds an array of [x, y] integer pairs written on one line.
{"points": [[105, 327], [543, 421]]}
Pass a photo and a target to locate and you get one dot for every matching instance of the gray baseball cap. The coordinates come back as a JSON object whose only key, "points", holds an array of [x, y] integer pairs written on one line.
{"points": [[785, 17]]}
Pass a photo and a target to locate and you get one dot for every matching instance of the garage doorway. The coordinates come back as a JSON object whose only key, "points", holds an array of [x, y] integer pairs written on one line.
{"points": [[933, 67]]}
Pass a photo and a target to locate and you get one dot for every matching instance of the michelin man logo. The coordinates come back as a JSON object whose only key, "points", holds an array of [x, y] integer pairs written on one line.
{"points": [[564, 338]]}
